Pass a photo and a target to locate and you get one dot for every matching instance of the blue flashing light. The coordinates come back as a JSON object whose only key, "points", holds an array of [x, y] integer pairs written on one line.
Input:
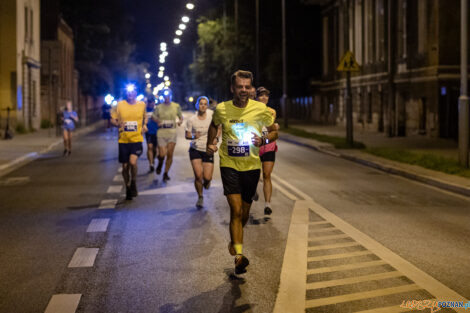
{"points": [[140, 97], [108, 99], [130, 88]]}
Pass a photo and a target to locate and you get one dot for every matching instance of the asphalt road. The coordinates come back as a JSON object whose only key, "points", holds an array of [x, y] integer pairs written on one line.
{"points": [[160, 254]]}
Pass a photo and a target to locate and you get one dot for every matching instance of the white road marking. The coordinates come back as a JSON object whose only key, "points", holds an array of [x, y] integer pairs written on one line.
{"points": [[108, 204], [353, 280], [390, 309], [63, 303], [322, 238], [319, 223], [361, 295], [98, 225], [118, 178], [334, 246], [11, 181], [291, 294], [181, 188], [338, 256], [288, 185], [115, 189], [284, 191], [345, 267], [322, 230], [84, 257]]}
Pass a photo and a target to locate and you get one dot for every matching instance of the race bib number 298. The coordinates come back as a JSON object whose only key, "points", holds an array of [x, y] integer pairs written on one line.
{"points": [[236, 149]]}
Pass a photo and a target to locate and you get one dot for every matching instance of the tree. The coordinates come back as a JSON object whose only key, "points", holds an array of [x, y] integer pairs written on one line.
{"points": [[218, 55]]}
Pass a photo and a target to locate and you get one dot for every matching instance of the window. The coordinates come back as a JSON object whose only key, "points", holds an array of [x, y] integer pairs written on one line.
{"points": [[358, 31], [379, 30]]}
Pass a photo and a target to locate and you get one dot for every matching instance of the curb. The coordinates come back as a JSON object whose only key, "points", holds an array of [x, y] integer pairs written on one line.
{"points": [[388, 169], [29, 157]]}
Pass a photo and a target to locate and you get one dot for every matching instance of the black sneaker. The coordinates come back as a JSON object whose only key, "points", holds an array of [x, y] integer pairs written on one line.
{"points": [[159, 168], [241, 262], [166, 177], [151, 169], [200, 203], [65, 153], [133, 189], [128, 193], [207, 184], [268, 211]]}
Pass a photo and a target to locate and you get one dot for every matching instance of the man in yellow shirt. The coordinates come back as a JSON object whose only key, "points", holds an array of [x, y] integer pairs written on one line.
{"points": [[242, 120], [130, 116]]}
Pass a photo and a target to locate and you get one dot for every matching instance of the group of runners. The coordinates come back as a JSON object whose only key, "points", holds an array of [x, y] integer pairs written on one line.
{"points": [[247, 129]]}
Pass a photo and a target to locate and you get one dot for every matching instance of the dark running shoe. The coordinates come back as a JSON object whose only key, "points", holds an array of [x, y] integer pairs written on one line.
{"points": [[256, 196], [241, 262], [207, 184], [133, 189], [268, 211], [128, 193], [166, 177], [151, 169], [200, 203], [159, 168]]}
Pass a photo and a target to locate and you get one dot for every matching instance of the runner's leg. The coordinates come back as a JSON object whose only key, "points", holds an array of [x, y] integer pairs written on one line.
{"points": [[267, 184], [169, 156], [70, 141], [198, 173], [66, 138], [236, 228], [208, 170], [150, 154], [125, 173]]}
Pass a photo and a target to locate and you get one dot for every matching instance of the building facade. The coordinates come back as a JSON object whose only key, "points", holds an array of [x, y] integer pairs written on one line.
{"points": [[409, 52], [20, 62]]}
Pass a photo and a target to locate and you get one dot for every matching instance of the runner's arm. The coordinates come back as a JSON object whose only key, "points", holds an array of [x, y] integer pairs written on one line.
{"points": [[211, 138], [273, 133], [144, 123]]}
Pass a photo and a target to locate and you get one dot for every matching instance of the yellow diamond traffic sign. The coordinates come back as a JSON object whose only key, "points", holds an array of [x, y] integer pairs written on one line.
{"points": [[348, 63]]}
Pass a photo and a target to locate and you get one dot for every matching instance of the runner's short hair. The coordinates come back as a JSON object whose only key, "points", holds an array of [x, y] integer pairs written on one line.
{"points": [[242, 74]]}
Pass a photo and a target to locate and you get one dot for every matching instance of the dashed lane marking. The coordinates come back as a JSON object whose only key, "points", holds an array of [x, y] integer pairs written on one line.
{"points": [[98, 225], [108, 204], [115, 189], [63, 303], [84, 257], [118, 179]]}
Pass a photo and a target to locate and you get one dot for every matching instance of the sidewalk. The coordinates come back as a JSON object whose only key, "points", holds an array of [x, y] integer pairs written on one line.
{"points": [[23, 149], [417, 143]]}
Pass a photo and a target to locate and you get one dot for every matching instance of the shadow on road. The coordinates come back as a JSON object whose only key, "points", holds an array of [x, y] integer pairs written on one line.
{"points": [[230, 292]]}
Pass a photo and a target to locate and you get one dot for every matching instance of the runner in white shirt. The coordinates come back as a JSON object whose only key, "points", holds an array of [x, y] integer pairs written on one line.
{"points": [[196, 131]]}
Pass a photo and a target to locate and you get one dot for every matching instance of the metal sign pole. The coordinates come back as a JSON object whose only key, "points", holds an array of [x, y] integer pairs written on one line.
{"points": [[463, 99]]}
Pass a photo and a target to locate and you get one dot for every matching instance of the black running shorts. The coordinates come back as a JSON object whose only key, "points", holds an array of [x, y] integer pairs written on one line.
{"points": [[243, 183], [126, 149], [151, 138], [196, 154], [268, 156]]}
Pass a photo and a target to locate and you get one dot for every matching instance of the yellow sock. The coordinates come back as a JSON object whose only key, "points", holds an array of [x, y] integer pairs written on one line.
{"points": [[238, 248]]}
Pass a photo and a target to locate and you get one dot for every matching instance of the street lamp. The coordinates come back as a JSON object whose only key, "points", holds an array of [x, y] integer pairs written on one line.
{"points": [[185, 19], [190, 6], [166, 78], [162, 68], [147, 75], [179, 32], [160, 74], [162, 48], [182, 26], [176, 41]]}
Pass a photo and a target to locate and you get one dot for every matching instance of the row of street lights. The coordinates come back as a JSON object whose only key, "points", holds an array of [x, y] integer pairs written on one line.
{"points": [[164, 53]]}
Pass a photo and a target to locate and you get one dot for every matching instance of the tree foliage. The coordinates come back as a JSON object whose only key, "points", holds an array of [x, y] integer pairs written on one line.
{"points": [[219, 54]]}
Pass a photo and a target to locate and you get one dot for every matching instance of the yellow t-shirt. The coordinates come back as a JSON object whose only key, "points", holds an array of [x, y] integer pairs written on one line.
{"points": [[132, 115], [237, 151]]}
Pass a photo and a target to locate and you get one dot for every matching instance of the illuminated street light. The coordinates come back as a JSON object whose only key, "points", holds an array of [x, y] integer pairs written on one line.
{"points": [[182, 26], [160, 74], [108, 99], [166, 78], [190, 6], [147, 76], [114, 103], [162, 68], [176, 41], [163, 44], [191, 99], [165, 54], [185, 19], [140, 97], [149, 86], [179, 32], [162, 61], [163, 48], [167, 83]]}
